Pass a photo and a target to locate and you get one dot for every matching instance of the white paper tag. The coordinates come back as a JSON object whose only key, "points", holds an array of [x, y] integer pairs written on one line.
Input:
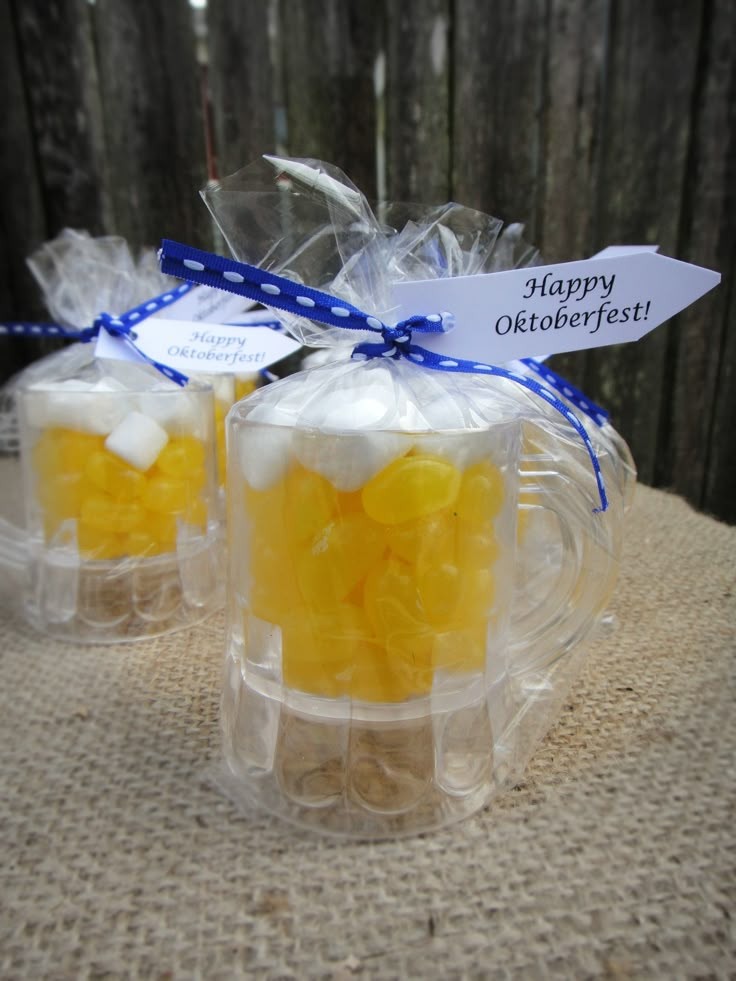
{"points": [[570, 306], [191, 347], [612, 250]]}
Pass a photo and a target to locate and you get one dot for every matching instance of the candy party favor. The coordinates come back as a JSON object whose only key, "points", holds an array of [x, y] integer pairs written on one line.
{"points": [[392, 656], [118, 462]]}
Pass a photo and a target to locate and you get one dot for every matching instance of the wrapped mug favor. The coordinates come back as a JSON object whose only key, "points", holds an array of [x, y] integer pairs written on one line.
{"points": [[384, 673], [376, 658], [122, 536]]}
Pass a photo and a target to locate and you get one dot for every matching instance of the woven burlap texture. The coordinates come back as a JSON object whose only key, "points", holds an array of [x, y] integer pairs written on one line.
{"points": [[613, 858]]}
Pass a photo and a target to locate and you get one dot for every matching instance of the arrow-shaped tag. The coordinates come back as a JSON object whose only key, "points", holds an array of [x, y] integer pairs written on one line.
{"points": [[195, 347], [616, 297]]}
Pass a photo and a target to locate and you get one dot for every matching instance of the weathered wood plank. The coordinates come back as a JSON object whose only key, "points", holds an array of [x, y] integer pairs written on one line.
{"points": [[60, 80], [573, 82], [152, 104], [719, 495], [22, 216], [708, 238], [328, 51], [704, 434], [240, 82], [499, 57], [651, 74], [418, 132]]}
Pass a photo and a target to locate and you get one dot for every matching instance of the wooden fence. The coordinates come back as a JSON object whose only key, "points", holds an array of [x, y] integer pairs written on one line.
{"points": [[592, 121]]}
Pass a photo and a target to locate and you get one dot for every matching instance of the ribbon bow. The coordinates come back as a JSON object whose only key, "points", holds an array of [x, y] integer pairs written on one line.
{"points": [[122, 326], [196, 266]]}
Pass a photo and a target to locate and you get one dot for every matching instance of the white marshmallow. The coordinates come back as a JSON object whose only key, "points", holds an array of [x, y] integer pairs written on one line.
{"points": [[444, 413], [138, 440], [348, 461], [71, 404], [109, 384], [102, 415], [175, 410], [462, 450], [263, 451], [347, 412], [223, 387], [264, 454], [58, 404]]}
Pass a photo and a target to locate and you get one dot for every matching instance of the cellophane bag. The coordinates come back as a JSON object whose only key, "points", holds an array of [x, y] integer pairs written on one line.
{"points": [[117, 467], [80, 276], [416, 560]]}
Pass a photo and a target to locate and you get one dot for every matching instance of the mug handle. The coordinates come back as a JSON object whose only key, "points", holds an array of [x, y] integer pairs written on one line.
{"points": [[582, 555]]}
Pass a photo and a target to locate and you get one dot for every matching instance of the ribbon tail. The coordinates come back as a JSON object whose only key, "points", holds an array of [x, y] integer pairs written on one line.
{"points": [[570, 391], [437, 362]]}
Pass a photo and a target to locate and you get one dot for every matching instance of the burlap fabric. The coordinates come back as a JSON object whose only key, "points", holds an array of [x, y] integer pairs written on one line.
{"points": [[613, 858]]}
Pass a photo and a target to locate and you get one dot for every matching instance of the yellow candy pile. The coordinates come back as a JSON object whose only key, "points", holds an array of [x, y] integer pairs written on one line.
{"points": [[243, 386], [119, 511], [375, 590]]}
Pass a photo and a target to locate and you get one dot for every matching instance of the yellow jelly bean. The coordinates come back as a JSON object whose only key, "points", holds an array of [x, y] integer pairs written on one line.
{"points": [[109, 474], [476, 547], [244, 386], [397, 668], [427, 541], [142, 543], [461, 650], [195, 513], [321, 651], [266, 509], [338, 558], [311, 503], [182, 457], [221, 410], [167, 495], [454, 597], [411, 488], [334, 654], [46, 455], [95, 542], [115, 517], [221, 456], [52, 530], [64, 451], [161, 527], [439, 592], [477, 595], [61, 495], [349, 502], [273, 591], [392, 602], [76, 448], [481, 494], [392, 674]]}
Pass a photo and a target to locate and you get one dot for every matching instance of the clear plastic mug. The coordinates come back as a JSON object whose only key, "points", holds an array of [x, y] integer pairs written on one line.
{"points": [[374, 661], [121, 506]]}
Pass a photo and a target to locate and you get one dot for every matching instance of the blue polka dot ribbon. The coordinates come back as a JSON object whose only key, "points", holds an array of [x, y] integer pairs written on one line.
{"points": [[568, 390], [196, 266], [122, 326]]}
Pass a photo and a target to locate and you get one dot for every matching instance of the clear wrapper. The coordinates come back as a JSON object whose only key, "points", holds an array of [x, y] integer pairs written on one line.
{"points": [[80, 277], [228, 389], [118, 468], [415, 561]]}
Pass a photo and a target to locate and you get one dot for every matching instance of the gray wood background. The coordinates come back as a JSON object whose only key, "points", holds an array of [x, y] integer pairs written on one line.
{"points": [[592, 121]]}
